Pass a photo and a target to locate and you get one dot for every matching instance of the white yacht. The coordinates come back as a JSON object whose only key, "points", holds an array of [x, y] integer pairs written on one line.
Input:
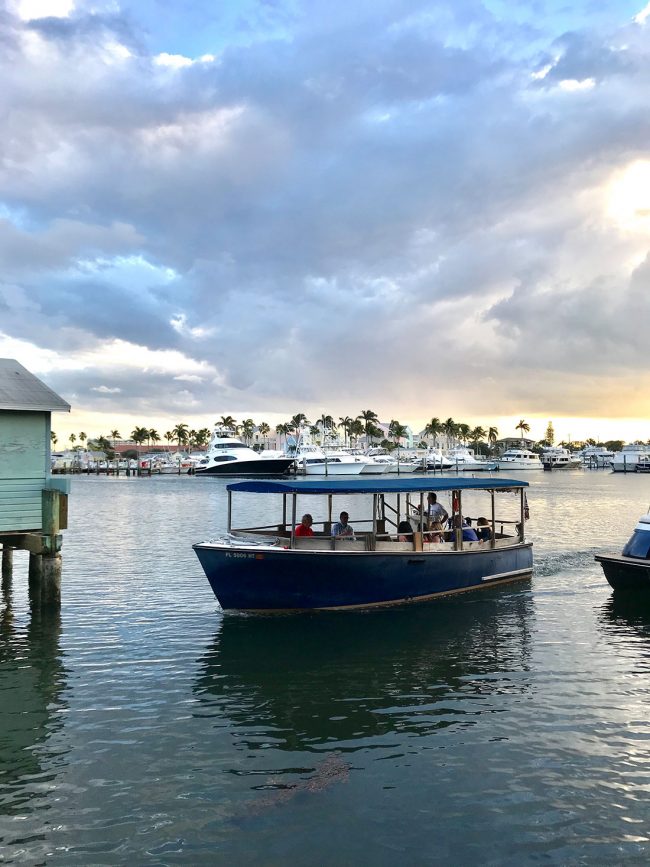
{"points": [[463, 458], [559, 458], [596, 456], [627, 459], [519, 459], [228, 456], [437, 461]]}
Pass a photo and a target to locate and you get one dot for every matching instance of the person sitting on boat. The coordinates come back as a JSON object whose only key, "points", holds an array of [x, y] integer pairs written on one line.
{"points": [[342, 528], [435, 511], [304, 527], [435, 533], [469, 533], [483, 530], [404, 532]]}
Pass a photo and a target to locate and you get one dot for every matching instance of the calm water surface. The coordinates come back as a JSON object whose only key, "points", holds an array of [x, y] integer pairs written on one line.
{"points": [[141, 726]]}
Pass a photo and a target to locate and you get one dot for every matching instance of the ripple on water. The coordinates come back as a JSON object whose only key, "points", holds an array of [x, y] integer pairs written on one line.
{"points": [[143, 726]]}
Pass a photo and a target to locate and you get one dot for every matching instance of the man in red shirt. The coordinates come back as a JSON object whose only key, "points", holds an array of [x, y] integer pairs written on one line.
{"points": [[304, 527]]}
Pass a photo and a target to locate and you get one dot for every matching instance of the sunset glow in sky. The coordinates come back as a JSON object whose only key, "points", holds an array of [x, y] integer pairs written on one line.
{"points": [[261, 208]]}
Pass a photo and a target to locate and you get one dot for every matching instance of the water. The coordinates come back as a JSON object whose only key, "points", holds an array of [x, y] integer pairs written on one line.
{"points": [[141, 726]]}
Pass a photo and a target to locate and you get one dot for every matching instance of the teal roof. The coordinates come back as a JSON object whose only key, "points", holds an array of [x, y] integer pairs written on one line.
{"points": [[374, 486]]}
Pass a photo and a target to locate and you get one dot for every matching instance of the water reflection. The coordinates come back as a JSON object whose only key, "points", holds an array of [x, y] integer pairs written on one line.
{"points": [[627, 612], [347, 682], [32, 681]]}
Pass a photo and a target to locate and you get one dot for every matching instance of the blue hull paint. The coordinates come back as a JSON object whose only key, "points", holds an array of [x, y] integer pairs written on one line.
{"points": [[298, 580]]}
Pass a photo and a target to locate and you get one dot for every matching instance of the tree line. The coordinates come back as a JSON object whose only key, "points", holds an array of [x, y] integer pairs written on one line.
{"points": [[366, 423]]}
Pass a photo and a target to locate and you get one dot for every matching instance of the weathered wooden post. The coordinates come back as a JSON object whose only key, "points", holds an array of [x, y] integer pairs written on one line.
{"points": [[51, 557], [33, 504]]}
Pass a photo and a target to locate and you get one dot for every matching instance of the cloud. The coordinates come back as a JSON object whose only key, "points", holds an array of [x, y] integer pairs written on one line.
{"points": [[399, 205]]}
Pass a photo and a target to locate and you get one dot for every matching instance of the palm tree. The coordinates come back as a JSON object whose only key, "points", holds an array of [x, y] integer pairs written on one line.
{"points": [[180, 434], [433, 429], [522, 426], [248, 427], [227, 422], [298, 420], [283, 430], [345, 422], [202, 437], [54, 438], [154, 436], [450, 428], [369, 419], [82, 437], [72, 439], [375, 433], [264, 430], [357, 429], [476, 435], [139, 435], [493, 435], [464, 431], [396, 430], [115, 435]]}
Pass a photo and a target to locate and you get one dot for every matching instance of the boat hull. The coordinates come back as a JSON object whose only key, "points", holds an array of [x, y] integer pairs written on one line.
{"points": [[278, 579], [261, 467], [625, 573]]}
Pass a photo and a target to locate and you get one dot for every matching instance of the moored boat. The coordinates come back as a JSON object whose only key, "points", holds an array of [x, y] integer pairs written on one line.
{"points": [[464, 459], [630, 570], [559, 458], [519, 459], [271, 567], [627, 459], [228, 456]]}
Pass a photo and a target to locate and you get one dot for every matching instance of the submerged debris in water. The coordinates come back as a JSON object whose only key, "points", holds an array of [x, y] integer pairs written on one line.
{"points": [[330, 771]]}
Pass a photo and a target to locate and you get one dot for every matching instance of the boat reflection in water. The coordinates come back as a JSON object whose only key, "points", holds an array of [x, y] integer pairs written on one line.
{"points": [[328, 686], [33, 678]]}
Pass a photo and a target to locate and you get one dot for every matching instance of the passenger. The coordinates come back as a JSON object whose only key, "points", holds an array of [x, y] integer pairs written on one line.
{"points": [[404, 532], [435, 511], [342, 528], [483, 530], [436, 532], [304, 527], [469, 534]]}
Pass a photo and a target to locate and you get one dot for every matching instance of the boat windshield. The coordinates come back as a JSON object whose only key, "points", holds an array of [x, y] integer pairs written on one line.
{"points": [[638, 545]]}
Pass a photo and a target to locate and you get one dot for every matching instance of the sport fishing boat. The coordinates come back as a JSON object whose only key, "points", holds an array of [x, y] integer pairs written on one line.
{"points": [[630, 570], [384, 561], [228, 456]]}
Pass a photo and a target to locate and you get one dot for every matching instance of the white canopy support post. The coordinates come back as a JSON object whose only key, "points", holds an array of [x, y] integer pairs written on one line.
{"points": [[229, 511], [294, 497]]}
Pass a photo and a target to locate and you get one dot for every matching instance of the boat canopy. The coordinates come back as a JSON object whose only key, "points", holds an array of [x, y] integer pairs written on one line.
{"points": [[373, 486]]}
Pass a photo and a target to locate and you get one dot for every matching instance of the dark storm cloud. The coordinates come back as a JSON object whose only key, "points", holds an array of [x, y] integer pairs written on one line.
{"points": [[342, 194]]}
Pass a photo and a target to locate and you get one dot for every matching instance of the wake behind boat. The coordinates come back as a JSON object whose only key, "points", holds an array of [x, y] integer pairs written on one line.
{"points": [[384, 561], [228, 456]]}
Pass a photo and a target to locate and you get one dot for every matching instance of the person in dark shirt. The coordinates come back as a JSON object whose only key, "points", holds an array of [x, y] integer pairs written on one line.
{"points": [[483, 530], [469, 533]]}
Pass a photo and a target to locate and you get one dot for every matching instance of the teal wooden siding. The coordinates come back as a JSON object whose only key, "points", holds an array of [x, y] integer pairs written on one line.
{"points": [[24, 455]]}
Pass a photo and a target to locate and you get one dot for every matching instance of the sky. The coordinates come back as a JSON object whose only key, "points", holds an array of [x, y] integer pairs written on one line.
{"points": [[265, 207]]}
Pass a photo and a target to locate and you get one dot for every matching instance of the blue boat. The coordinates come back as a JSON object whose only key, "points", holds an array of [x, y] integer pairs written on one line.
{"points": [[272, 568]]}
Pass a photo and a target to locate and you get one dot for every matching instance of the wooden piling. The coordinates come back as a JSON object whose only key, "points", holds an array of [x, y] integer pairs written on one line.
{"points": [[7, 566]]}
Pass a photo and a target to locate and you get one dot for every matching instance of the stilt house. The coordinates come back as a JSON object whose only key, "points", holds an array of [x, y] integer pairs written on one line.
{"points": [[26, 405]]}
